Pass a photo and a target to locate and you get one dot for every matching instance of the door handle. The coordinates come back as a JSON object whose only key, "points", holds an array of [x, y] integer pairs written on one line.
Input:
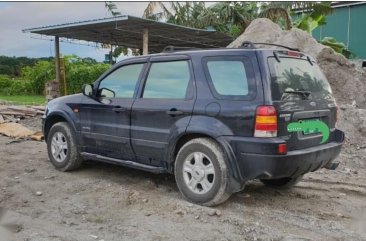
{"points": [[174, 112], [118, 109]]}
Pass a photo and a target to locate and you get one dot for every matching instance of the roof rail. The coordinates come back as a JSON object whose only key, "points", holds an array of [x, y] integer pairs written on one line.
{"points": [[172, 48], [250, 45]]}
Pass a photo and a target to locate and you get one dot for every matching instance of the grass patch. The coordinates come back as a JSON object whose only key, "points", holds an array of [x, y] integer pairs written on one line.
{"points": [[24, 99]]}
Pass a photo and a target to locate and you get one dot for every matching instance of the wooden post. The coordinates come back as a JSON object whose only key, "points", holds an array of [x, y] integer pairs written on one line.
{"points": [[145, 42], [111, 55], [57, 59]]}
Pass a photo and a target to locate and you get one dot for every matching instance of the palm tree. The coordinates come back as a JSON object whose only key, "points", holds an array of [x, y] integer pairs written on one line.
{"points": [[111, 7], [233, 17], [181, 13], [230, 17], [223, 16]]}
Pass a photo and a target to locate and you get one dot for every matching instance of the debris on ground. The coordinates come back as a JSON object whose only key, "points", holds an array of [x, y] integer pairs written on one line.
{"points": [[39, 193], [19, 131], [347, 81], [15, 113], [11, 115]]}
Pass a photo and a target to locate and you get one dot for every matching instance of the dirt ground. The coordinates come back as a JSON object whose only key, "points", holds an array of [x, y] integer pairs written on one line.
{"points": [[106, 202]]}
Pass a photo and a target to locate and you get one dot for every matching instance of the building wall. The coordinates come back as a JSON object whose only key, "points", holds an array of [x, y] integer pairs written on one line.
{"points": [[348, 25]]}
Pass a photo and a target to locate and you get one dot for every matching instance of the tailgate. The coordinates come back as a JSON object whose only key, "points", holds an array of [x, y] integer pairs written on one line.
{"points": [[303, 100], [304, 125]]}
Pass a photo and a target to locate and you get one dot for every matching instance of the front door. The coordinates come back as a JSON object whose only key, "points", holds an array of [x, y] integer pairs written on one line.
{"points": [[105, 120], [163, 109]]}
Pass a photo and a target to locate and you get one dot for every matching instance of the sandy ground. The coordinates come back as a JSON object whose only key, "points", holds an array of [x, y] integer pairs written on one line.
{"points": [[106, 202]]}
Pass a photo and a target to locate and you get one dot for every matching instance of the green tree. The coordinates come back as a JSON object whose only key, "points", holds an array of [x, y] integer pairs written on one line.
{"points": [[316, 17], [112, 9], [39, 74], [230, 17], [339, 47], [233, 17]]}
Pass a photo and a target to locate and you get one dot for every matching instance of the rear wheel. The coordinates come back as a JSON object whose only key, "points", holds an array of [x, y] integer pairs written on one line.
{"points": [[285, 182], [62, 149], [201, 172]]}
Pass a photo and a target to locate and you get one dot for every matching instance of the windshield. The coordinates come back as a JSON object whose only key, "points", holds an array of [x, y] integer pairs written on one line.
{"points": [[293, 78]]}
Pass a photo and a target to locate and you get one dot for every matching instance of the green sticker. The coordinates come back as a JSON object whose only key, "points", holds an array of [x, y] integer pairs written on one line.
{"points": [[309, 127]]}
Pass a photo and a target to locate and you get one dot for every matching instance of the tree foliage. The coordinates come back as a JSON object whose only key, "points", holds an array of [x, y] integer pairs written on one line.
{"points": [[112, 8], [339, 47], [39, 74], [79, 71], [233, 17], [12, 65], [314, 18], [10, 86], [230, 17]]}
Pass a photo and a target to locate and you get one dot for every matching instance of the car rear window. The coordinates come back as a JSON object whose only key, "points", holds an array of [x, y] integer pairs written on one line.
{"points": [[230, 77], [292, 75]]}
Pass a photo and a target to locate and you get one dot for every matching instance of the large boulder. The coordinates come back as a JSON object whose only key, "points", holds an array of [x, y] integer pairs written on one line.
{"points": [[348, 82]]}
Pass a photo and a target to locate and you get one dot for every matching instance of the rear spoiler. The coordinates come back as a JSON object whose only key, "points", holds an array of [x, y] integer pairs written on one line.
{"points": [[251, 45]]}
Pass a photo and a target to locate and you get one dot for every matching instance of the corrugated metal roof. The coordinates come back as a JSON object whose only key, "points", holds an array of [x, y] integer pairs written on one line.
{"points": [[127, 31]]}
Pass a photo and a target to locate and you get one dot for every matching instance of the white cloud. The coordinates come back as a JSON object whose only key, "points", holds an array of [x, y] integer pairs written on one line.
{"points": [[16, 16]]}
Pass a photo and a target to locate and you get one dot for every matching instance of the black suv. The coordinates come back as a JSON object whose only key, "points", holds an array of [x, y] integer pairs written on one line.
{"points": [[214, 118]]}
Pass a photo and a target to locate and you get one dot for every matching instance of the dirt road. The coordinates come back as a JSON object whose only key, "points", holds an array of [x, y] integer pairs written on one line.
{"points": [[106, 202]]}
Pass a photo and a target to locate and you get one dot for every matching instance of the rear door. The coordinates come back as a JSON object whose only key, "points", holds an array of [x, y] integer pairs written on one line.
{"points": [[235, 85], [302, 96], [163, 108]]}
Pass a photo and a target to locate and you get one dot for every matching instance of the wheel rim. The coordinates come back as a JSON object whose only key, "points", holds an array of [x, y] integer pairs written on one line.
{"points": [[59, 147], [198, 173]]}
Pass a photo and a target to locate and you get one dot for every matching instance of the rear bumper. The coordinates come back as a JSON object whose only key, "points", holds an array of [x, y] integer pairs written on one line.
{"points": [[252, 160]]}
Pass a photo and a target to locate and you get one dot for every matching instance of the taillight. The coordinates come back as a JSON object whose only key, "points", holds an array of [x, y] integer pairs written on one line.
{"points": [[265, 121], [294, 54]]}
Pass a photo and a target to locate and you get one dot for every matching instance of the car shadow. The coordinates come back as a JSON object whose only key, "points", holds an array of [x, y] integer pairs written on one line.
{"points": [[255, 192]]}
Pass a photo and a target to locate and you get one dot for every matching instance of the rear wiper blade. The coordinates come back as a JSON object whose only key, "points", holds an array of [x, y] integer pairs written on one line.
{"points": [[301, 92]]}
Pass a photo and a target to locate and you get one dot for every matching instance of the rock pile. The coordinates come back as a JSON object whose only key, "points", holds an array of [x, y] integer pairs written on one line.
{"points": [[348, 82]]}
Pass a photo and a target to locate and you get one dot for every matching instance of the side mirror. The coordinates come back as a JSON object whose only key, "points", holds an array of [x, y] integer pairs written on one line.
{"points": [[87, 90], [106, 93]]}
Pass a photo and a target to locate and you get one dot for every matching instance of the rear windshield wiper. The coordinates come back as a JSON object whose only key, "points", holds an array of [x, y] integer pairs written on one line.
{"points": [[304, 93]]}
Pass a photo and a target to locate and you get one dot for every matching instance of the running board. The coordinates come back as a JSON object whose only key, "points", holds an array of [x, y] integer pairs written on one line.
{"points": [[136, 165]]}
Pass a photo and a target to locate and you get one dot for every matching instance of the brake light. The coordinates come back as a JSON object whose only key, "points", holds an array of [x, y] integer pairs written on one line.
{"points": [[293, 54], [265, 121]]}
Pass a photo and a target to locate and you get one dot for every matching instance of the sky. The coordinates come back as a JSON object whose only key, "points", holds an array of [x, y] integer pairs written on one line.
{"points": [[16, 16]]}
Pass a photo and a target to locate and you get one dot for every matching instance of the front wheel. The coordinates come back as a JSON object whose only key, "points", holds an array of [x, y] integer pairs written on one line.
{"points": [[201, 172], [285, 182], [62, 149]]}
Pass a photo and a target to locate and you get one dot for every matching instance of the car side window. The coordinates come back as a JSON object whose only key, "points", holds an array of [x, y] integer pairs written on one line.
{"points": [[230, 77], [122, 82], [167, 80]]}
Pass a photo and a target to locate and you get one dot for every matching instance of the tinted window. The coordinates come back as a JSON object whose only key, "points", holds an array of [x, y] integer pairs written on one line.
{"points": [[292, 74], [228, 77], [123, 80], [167, 80]]}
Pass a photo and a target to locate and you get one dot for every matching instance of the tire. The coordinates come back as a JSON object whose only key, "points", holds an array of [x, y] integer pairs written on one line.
{"points": [[286, 182], [68, 157], [202, 163]]}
